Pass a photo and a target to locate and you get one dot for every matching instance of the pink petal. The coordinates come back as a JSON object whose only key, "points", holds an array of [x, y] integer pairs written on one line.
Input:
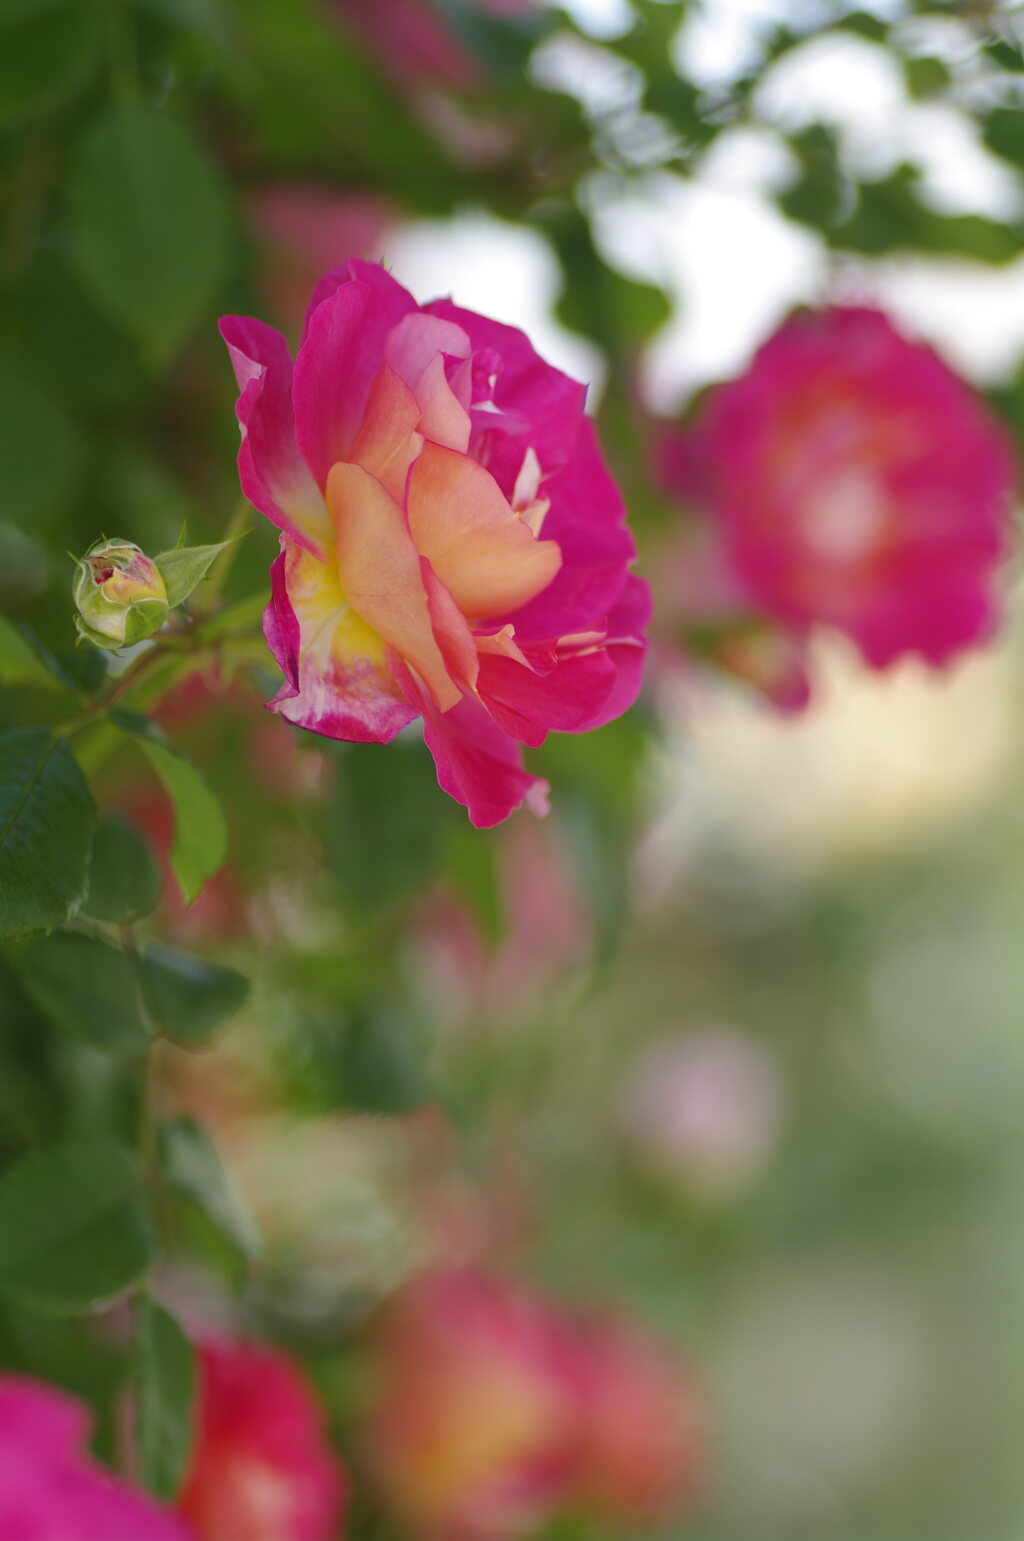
{"points": [[327, 689], [485, 555], [534, 392], [477, 762], [587, 519], [570, 699], [379, 568], [339, 359], [273, 474]]}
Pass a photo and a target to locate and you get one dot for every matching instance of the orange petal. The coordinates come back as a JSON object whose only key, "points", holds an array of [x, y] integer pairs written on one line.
{"points": [[483, 552], [379, 569], [386, 444]]}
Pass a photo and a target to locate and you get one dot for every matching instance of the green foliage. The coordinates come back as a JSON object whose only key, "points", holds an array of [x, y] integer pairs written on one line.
{"points": [[40, 448], [165, 1397], [48, 51], [75, 1230], [24, 660], [88, 989], [385, 827], [191, 1168], [184, 568], [200, 829], [124, 880], [149, 224], [47, 822], [187, 997]]}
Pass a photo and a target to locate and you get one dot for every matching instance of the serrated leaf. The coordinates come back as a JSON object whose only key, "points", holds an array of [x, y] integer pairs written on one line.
{"points": [[188, 997], [149, 224], [25, 661], [48, 49], [200, 842], [47, 822], [184, 568], [124, 880], [192, 1168], [165, 1378], [75, 1228], [87, 988]]}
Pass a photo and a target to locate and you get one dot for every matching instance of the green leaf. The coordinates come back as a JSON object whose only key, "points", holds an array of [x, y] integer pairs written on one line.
{"points": [[187, 997], [75, 1229], [149, 224], [24, 660], [385, 823], [40, 449], [165, 1374], [48, 49], [200, 830], [124, 880], [87, 988], [192, 1169], [184, 568], [47, 821]]}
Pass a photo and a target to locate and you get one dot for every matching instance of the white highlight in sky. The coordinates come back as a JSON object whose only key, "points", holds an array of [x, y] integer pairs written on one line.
{"points": [[507, 272]]}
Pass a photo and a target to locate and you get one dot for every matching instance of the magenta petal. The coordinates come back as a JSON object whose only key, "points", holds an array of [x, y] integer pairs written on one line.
{"points": [[273, 474], [478, 763], [339, 359], [587, 519], [544, 405], [570, 699], [627, 647], [51, 1489]]}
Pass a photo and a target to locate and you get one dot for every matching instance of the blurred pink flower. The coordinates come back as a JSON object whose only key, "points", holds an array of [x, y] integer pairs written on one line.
{"points": [[262, 1469], [854, 482], [415, 43], [640, 1427], [452, 545], [496, 1411], [51, 1489], [705, 1108], [472, 1431]]}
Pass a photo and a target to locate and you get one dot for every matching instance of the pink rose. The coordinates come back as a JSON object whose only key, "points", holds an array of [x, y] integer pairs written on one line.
{"points": [[472, 1436], [639, 1428], [452, 545], [856, 483], [51, 1489], [262, 1469], [496, 1411]]}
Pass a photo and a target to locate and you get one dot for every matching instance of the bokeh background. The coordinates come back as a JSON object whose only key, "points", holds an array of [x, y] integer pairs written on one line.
{"points": [[733, 1040]]}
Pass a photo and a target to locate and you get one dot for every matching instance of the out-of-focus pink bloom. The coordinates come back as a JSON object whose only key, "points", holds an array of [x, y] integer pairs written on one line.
{"points": [[496, 1411], [705, 1108], [261, 1469], [305, 230], [546, 931], [472, 1435], [412, 42], [640, 1427], [855, 483], [50, 1489], [452, 545]]}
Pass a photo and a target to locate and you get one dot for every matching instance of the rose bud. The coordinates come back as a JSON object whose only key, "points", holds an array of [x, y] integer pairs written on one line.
{"points": [[120, 595]]}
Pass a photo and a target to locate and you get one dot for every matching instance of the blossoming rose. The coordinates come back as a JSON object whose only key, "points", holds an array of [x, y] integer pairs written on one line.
{"points": [[452, 546], [856, 483]]}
